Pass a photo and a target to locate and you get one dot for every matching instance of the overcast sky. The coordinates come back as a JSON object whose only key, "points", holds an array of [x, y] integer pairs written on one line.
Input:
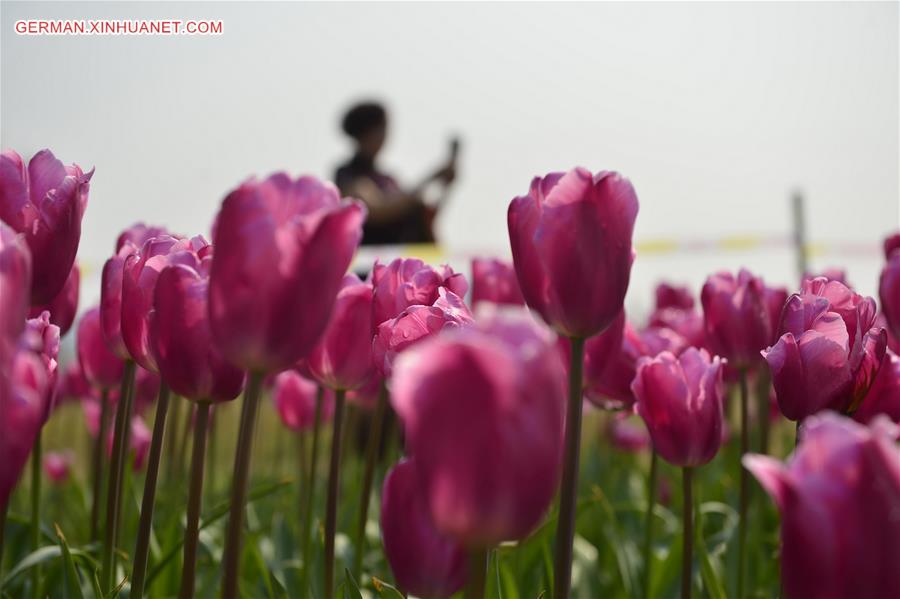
{"points": [[716, 111]]}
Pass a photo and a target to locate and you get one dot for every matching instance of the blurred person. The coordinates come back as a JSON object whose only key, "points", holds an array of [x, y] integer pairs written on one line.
{"points": [[396, 215]]}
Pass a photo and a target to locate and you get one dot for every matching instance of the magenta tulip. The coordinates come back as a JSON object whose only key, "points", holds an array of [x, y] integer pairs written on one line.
{"points": [[139, 276], [415, 324], [775, 299], [738, 325], [829, 352], [884, 395], [627, 435], [571, 246], [42, 338], [130, 241], [64, 306], [101, 367], [673, 296], [282, 249], [188, 360], [342, 359], [46, 202], [889, 292], [15, 285], [425, 562], [58, 465], [609, 366], [680, 400], [73, 386], [409, 282], [483, 408], [891, 243], [138, 439], [838, 496], [295, 401], [366, 396], [494, 281]]}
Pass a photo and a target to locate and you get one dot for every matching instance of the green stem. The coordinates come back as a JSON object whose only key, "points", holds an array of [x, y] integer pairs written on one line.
{"points": [[2, 536], [762, 391], [687, 550], [36, 454], [214, 417], [333, 490], [240, 478], [142, 549], [478, 561], [310, 495], [374, 444], [565, 532], [99, 445], [648, 521], [117, 467], [745, 482], [195, 497]]}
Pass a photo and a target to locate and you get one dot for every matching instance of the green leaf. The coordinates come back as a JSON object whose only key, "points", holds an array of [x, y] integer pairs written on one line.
{"points": [[72, 587], [385, 590], [351, 590], [35, 558]]}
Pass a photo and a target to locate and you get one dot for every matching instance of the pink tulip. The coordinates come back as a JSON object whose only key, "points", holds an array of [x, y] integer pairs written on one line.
{"points": [[282, 249], [58, 465], [829, 351], [737, 317], [342, 359], [832, 274], [139, 276], [295, 401], [130, 241], [627, 435], [838, 496], [483, 408], [415, 324], [889, 292], [425, 562], [610, 361], [63, 307], [366, 396], [188, 360], [139, 438], [42, 338], [45, 202], [73, 386], [101, 367], [571, 246], [495, 281], [884, 395], [891, 243], [775, 298], [409, 282], [146, 390], [673, 296], [680, 400], [15, 284]]}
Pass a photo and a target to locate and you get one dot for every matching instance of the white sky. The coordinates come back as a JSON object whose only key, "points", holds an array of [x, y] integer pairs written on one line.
{"points": [[714, 110]]}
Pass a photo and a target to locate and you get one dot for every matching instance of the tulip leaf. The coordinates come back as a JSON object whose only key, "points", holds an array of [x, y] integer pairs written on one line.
{"points": [[385, 590], [72, 586], [351, 590]]}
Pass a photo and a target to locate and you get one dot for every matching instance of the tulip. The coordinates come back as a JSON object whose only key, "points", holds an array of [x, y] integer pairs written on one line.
{"points": [[775, 298], [626, 435], [409, 282], [73, 386], [680, 400], [829, 352], [101, 367], [58, 465], [884, 395], [838, 496], [282, 249], [484, 412], [494, 281], [415, 324], [673, 296], [45, 202], [737, 317], [891, 243], [63, 307], [15, 283], [610, 360], [138, 234], [425, 562], [571, 246], [889, 292], [295, 401], [832, 274], [686, 323]]}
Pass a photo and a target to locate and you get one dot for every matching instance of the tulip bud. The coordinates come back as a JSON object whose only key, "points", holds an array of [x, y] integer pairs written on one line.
{"points": [[495, 281], [889, 292], [571, 246], [673, 296], [58, 465], [483, 408], [680, 400], [295, 401], [101, 367], [282, 249], [63, 307], [838, 496], [45, 202], [425, 563], [15, 285], [884, 395], [737, 317]]}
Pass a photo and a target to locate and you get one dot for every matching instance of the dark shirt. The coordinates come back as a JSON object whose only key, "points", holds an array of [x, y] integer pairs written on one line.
{"points": [[408, 227]]}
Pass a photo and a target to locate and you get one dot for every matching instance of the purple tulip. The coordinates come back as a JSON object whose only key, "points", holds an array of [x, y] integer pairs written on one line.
{"points": [[415, 324], [295, 401], [627, 435], [775, 298], [673, 296], [73, 386], [58, 465], [342, 359], [282, 249], [15, 283], [680, 400], [425, 562], [610, 361], [495, 281], [138, 234], [42, 338], [188, 361], [891, 243], [409, 282], [737, 317], [45, 202], [146, 390], [889, 292], [139, 276], [571, 246], [64, 306], [829, 351], [838, 496], [884, 395], [483, 408], [101, 367]]}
